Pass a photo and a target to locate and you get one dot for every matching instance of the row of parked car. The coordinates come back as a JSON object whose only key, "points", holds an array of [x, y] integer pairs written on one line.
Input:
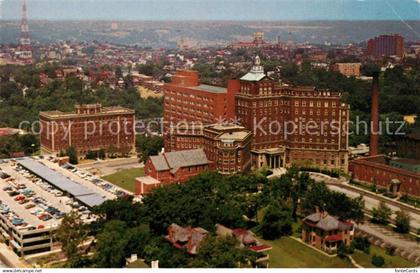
{"points": [[13, 217], [38, 181], [27, 197], [97, 181]]}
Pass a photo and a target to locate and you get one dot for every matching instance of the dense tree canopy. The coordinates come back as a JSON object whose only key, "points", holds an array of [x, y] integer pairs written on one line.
{"points": [[148, 145], [126, 228], [17, 106]]}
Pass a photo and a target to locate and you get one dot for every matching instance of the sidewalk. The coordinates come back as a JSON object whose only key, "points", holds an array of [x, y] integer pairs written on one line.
{"points": [[10, 259]]}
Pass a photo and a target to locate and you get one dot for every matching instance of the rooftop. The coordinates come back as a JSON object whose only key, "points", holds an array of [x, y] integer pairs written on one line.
{"points": [[326, 222], [9, 131], [407, 161], [257, 72], [148, 180], [179, 159], [234, 135], [210, 88], [104, 111], [63, 183]]}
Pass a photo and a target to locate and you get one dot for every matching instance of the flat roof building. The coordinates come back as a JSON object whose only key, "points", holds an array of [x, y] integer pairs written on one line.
{"points": [[79, 192], [90, 127], [397, 176], [292, 124], [227, 145], [187, 100], [386, 46]]}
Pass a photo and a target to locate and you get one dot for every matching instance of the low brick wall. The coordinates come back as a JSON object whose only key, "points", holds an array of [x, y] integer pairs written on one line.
{"points": [[414, 257]]}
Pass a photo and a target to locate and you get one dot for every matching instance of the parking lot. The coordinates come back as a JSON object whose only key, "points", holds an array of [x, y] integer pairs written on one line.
{"points": [[30, 202], [87, 179], [31, 199]]}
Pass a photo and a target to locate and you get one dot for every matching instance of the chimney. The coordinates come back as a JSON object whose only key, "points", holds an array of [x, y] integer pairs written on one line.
{"points": [[374, 134]]}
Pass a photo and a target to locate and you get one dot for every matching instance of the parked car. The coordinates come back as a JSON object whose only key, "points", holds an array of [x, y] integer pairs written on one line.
{"points": [[13, 193], [17, 221], [20, 197], [23, 201], [44, 217], [8, 188], [30, 205]]}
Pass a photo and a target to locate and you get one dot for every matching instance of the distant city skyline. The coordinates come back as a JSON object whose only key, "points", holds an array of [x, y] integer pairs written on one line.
{"points": [[269, 10]]}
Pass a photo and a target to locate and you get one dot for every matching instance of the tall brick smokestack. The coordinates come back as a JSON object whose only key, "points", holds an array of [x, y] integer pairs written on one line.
{"points": [[374, 134]]}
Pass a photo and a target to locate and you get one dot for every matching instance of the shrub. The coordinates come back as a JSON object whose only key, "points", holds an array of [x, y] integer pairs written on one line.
{"points": [[342, 251], [402, 222], [390, 250], [418, 236], [361, 243], [378, 260]]}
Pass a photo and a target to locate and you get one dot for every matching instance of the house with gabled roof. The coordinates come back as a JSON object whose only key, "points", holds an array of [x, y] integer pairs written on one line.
{"points": [[248, 240], [172, 167], [188, 237], [326, 232]]}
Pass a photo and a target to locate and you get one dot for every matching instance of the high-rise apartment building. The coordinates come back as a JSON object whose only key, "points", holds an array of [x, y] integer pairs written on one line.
{"points": [[386, 45]]}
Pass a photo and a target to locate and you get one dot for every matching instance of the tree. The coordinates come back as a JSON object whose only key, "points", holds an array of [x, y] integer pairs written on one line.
{"points": [[168, 256], [111, 245], [222, 252], [381, 214], [361, 243], [147, 146], [122, 210], [71, 233], [118, 72], [342, 251], [72, 154], [318, 196], [378, 260], [402, 222], [277, 221]]}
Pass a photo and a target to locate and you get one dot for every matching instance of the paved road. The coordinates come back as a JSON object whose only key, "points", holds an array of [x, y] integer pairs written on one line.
{"points": [[111, 166], [370, 201]]}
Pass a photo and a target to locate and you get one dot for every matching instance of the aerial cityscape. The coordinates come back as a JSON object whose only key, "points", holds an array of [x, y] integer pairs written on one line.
{"points": [[210, 134]]}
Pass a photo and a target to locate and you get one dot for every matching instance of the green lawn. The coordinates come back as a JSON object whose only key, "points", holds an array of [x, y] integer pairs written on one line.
{"points": [[288, 253], [390, 261], [125, 179]]}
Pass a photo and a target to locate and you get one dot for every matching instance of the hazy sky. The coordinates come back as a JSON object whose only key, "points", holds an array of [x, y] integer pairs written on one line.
{"points": [[215, 9]]}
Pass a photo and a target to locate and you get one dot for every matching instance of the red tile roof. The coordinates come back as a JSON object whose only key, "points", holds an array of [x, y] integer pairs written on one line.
{"points": [[260, 248], [334, 238]]}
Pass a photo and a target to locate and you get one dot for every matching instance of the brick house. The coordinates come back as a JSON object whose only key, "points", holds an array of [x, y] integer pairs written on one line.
{"points": [[249, 240], [188, 238], [325, 232], [172, 167]]}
